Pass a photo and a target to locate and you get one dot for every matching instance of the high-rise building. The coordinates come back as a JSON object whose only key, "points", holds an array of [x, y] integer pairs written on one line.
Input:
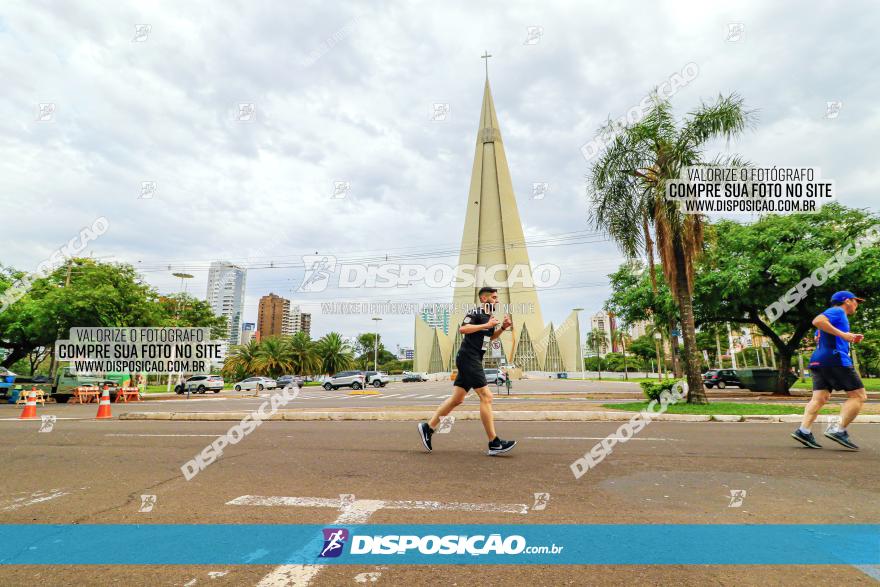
{"points": [[604, 322], [437, 317], [638, 329], [404, 354], [299, 321], [273, 316], [226, 285], [248, 330]]}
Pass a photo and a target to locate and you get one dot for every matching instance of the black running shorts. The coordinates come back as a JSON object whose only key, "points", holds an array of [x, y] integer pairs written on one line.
{"points": [[470, 373], [835, 378]]}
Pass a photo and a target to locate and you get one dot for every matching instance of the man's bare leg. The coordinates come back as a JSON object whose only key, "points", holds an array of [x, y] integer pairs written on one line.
{"points": [[451, 402], [818, 401], [486, 415], [851, 407]]}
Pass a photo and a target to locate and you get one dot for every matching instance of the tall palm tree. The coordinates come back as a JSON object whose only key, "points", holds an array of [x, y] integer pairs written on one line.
{"points": [[334, 353], [302, 354], [240, 360], [628, 184], [274, 358]]}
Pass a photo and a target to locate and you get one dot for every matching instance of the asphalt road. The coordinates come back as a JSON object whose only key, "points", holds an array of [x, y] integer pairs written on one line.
{"points": [[525, 394], [86, 471]]}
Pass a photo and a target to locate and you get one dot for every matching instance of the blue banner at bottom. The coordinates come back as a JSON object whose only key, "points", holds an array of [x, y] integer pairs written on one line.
{"points": [[380, 544]]}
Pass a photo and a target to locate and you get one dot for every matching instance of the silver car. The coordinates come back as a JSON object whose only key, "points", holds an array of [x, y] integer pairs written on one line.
{"points": [[201, 384], [352, 379], [255, 384]]}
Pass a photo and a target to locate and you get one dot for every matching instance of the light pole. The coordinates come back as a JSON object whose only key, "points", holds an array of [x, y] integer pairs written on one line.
{"points": [[580, 346], [730, 346], [183, 277], [658, 340], [376, 345]]}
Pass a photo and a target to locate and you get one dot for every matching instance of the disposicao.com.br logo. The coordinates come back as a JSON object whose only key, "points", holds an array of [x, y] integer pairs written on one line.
{"points": [[476, 545]]}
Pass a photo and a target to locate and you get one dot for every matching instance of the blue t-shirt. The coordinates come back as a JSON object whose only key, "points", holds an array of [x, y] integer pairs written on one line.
{"points": [[832, 350]]}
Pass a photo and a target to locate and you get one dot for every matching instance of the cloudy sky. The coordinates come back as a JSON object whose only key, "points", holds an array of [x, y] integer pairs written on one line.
{"points": [[100, 98]]}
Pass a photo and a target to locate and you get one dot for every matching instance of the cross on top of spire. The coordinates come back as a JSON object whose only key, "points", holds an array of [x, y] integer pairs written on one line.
{"points": [[486, 56]]}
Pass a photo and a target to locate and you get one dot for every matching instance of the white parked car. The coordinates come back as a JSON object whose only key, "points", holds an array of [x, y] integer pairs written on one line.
{"points": [[200, 384], [255, 383], [352, 379], [377, 378]]}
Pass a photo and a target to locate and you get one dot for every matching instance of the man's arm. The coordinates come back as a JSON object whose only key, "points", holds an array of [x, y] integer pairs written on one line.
{"points": [[504, 326], [471, 328], [822, 323]]}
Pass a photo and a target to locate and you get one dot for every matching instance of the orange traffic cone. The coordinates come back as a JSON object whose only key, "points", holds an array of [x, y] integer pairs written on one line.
{"points": [[30, 409], [104, 406]]}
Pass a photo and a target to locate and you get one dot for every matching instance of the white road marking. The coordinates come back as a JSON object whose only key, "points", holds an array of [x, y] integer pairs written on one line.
{"points": [[427, 396], [184, 435], [872, 571], [354, 512], [309, 502], [391, 395], [259, 500], [595, 438], [36, 497], [367, 577]]}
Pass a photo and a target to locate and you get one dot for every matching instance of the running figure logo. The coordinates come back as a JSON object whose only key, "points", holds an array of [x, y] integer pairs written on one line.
{"points": [[737, 496], [318, 269], [334, 541]]}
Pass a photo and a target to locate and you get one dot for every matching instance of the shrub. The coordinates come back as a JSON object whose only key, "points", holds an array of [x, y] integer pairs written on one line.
{"points": [[652, 390]]}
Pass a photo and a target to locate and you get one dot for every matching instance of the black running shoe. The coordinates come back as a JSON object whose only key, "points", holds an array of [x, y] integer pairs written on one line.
{"points": [[499, 447], [841, 437], [807, 439], [425, 432]]}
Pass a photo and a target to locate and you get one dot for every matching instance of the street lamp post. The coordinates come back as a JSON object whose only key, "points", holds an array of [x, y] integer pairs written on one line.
{"points": [[580, 346], [376, 345], [183, 277]]}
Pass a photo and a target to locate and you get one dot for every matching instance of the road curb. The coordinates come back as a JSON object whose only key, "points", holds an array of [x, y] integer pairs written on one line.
{"points": [[508, 416]]}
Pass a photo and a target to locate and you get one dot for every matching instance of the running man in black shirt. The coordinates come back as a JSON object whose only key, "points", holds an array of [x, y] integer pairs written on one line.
{"points": [[478, 328]]}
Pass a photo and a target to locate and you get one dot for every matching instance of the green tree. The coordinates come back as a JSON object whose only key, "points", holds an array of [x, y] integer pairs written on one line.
{"points": [[748, 267], [241, 360], [365, 350], [97, 294], [334, 353], [595, 341], [273, 358], [643, 347], [303, 354], [183, 310], [628, 185]]}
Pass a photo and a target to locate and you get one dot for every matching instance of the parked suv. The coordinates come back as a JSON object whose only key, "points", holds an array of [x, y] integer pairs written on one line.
{"points": [[200, 384], [721, 378], [377, 378], [352, 379], [410, 377]]}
